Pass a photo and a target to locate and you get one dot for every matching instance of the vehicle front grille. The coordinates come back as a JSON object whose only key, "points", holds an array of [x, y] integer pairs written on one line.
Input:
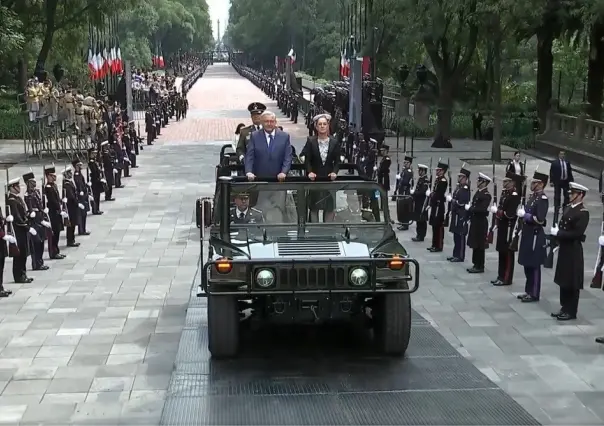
{"points": [[312, 278], [308, 248]]}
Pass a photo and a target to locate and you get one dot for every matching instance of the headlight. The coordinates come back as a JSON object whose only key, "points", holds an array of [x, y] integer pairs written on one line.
{"points": [[265, 278], [358, 276]]}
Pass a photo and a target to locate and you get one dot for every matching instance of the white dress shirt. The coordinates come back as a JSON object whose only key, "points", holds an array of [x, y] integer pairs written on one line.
{"points": [[517, 167], [266, 135]]}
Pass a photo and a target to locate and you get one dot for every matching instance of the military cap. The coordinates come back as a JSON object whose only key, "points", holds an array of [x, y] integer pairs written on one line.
{"points": [[320, 116], [28, 176], [542, 177], [385, 147], [105, 143], [67, 169], [75, 162], [574, 186], [256, 108], [91, 150], [422, 166], [408, 158], [14, 181], [442, 166], [49, 170], [242, 194], [483, 177], [465, 172]]}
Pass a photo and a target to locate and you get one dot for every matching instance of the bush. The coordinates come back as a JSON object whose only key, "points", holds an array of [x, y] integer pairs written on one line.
{"points": [[11, 124]]}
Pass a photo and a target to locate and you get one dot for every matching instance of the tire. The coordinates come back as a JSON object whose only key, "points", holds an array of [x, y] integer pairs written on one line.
{"points": [[223, 326], [392, 327]]}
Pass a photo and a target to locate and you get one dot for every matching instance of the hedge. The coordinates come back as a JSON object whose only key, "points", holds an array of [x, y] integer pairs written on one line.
{"points": [[11, 118]]}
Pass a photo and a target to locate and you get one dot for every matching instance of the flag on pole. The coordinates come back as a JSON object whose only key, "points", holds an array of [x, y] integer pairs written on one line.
{"points": [[105, 60], [292, 56], [120, 63], [100, 62], [160, 59]]}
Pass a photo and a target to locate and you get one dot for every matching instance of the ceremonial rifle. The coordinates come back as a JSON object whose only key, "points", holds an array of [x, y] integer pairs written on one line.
{"points": [[552, 241], [448, 215], [13, 248], [596, 281], [427, 200], [519, 221], [494, 219], [398, 164], [45, 215], [64, 209]]}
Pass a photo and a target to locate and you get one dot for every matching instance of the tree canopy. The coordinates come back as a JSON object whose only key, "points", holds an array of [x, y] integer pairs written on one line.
{"points": [[47, 32]]}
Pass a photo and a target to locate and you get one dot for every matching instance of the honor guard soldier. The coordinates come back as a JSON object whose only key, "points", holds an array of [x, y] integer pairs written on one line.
{"points": [[506, 223], [383, 172], [5, 238], [55, 212], [256, 109], [108, 171], [95, 181], [22, 230], [459, 216], [295, 109], [532, 250], [437, 208], [83, 195], [570, 235], [419, 199], [478, 211], [404, 200], [70, 194], [149, 125], [243, 213], [38, 220]]}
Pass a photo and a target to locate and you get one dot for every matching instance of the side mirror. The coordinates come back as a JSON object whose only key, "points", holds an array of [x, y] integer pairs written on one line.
{"points": [[203, 213]]}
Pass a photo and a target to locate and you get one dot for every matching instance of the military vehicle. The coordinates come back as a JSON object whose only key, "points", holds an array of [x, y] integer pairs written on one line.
{"points": [[266, 261]]}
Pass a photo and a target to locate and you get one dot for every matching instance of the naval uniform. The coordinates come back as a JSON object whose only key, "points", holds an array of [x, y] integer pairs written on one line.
{"points": [[437, 214], [404, 202], [570, 266], [532, 250], [506, 223], [249, 215], [479, 227], [18, 211], [419, 199], [459, 221]]}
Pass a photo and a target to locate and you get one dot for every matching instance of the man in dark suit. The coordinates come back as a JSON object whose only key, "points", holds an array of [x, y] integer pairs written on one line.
{"points": [[269, 151], [561, 174]]}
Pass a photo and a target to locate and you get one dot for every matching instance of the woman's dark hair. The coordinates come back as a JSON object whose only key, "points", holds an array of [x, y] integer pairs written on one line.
{"points": [[516, 153], [239, 126]]}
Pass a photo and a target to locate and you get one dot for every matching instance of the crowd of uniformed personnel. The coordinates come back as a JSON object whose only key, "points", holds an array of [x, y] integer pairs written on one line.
{"points": [[45, 210], [514, 220]]}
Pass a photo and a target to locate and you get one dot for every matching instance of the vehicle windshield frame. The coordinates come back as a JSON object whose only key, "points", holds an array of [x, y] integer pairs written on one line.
{"points": [[347, 185]]}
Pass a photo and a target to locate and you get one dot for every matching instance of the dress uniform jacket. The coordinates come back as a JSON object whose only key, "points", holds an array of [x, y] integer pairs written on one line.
{"points": [[419, 197], [438, 202], [383, 173], [506, 219], [3, 245], [71, 194], [54, 207], [251, 215], [532, 250], [33, 200], [479, 219], [571, 234], [404, 203], [18, 210], [459, 216]]}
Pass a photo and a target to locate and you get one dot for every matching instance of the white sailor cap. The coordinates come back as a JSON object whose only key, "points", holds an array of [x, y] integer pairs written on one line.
{"points": [[574, 186], [14, 181], [67, 169], [482, 176], [422, 166], [320, 116], [372, 140], [104, 143]]}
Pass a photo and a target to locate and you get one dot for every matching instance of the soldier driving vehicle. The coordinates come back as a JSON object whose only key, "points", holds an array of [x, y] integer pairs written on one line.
{"points": [[295, 271]]}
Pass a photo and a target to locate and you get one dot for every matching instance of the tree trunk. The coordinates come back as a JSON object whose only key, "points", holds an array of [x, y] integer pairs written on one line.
{"points": [[496, 145], [442, 138], [545, 69], [595, 71], [50, 12], [22, 81]]}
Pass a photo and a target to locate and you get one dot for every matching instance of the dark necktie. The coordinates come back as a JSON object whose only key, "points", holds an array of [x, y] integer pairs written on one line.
{"points": [[270, 141], [241, 215]]}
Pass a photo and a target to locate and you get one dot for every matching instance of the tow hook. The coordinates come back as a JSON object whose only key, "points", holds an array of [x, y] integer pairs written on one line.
{"points": [[279, 306], [346, 305], [312, 305]]}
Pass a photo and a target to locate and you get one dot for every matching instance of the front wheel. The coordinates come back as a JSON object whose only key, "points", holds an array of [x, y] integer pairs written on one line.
{"points": [[223, 326], [392, 322]]}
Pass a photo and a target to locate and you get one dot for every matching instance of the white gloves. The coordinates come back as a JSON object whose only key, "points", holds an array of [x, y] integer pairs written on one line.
{"points": [[46, 210], [32, 214], [104, 180], [64, 215], [354, 147], [398, 176], [449, 198], [81, 193], [601, 240], [374, 168], [89, 183], [64, 200], [554, 230], [342, 158], [9, 218], [362, 159], [493, 209], [428, 192], [467, 206], [9, 239], [45, 224], [91, 198], [115, 171], [241, 157], [32, 231], [81, 206], [412, 191], [520, 212]]}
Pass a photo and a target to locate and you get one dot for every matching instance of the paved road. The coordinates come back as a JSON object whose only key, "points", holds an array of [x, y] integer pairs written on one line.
{"points": [[95, 339]]}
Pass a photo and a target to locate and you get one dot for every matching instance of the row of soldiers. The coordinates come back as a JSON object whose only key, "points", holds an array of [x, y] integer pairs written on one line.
{"points": [[518, 222]]}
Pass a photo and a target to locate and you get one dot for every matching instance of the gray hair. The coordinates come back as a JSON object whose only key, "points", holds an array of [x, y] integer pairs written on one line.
{"points": [[268, 114]]}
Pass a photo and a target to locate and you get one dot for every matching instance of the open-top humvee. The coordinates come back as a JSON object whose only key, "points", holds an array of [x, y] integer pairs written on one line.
{"points": [[283, 268]]}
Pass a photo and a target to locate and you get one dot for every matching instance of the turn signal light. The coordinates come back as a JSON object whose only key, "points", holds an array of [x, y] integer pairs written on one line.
{"points": [[396, 263], [223, 266]]}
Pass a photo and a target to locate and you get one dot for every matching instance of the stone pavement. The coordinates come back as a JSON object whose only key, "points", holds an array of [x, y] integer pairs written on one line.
{"points": [[93, 340]]}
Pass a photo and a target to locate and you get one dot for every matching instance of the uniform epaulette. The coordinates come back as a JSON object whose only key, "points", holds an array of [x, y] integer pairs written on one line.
{"points": [[255, 210], [443, 180], [544, 197], [514, 193], [48, 186], [584, 210], [386, 158], [465, 187]]}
